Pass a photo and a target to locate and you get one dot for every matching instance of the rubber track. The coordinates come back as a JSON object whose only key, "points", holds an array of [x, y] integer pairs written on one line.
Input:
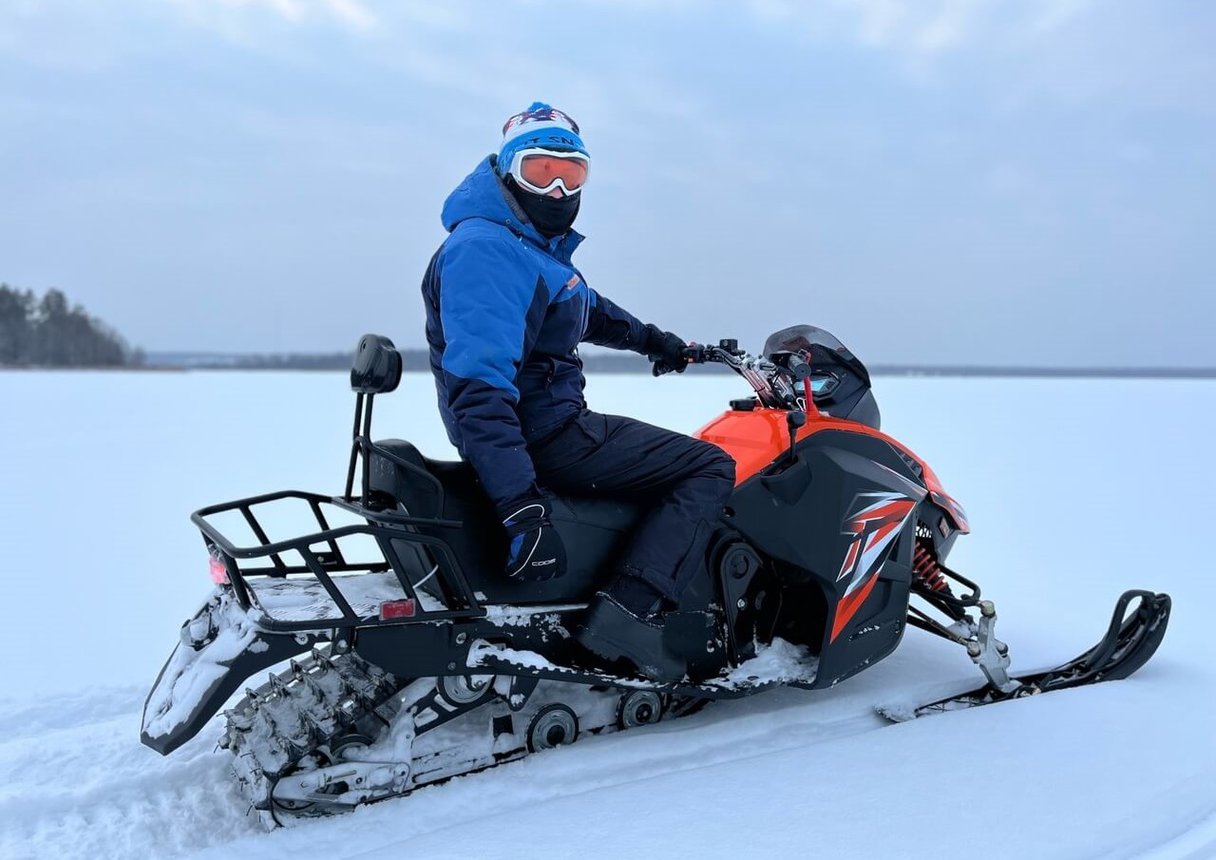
{"points": [[298, 712], [301, 712]]}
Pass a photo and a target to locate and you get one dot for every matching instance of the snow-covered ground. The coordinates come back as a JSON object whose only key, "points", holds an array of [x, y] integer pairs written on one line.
{"points": [[1076, 490]]}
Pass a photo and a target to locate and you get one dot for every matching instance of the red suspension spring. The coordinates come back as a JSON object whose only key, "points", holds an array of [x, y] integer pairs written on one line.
{"points": [[927, 570]]}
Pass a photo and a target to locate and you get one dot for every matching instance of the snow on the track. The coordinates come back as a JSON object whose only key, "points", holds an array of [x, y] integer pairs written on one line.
{"points": [[1076, 490]]}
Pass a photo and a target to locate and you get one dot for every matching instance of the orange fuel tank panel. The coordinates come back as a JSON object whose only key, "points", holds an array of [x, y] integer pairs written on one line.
{"points": [[757, 437]]}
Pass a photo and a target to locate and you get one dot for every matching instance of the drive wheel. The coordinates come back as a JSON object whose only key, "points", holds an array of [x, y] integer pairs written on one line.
{"points": [[341, 747], [639, 708], [298, 808], [295, 807], [551, 727], [462, 690]]}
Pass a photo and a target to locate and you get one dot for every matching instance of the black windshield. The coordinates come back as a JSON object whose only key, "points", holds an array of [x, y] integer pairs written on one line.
{"points": [[848, 394], [800, 338]]}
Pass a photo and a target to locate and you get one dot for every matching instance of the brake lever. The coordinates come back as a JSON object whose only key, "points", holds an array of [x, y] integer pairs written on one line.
{"points": [[726, 352]]}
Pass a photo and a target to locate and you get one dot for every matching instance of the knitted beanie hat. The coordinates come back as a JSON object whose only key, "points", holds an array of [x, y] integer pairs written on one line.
{"points": [[542, 126]]}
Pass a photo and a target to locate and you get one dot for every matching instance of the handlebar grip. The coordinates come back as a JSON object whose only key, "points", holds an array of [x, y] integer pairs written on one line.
{"points": [[701, 353]]}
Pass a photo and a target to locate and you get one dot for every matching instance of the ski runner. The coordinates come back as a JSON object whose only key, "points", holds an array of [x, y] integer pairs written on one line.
{"points": [[506, 310]]}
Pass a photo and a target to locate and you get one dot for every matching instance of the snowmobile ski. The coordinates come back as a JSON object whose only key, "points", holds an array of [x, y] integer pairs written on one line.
{"points": [[1130, 641]]}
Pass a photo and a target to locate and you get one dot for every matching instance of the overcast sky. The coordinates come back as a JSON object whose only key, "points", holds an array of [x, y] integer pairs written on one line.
{"points": [[948, 181]]}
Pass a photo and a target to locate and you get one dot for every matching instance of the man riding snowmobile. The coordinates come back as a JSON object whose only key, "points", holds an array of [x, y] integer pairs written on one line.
{"points": [[506, 310], [406, 658]]}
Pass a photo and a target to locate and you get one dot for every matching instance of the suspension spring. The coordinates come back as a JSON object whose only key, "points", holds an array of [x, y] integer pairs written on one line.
{"points": [[927, 570]]}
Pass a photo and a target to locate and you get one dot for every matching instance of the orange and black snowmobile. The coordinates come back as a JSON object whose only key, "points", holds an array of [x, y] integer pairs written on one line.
{"points": [[404, 657]]}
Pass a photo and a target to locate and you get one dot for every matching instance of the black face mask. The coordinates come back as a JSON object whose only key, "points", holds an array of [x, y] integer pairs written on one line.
{"points": [[552, 216]]}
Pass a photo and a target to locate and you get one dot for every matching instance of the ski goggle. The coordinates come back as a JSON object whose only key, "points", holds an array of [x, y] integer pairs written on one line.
{"points": [[540, 114], [542, 170]]}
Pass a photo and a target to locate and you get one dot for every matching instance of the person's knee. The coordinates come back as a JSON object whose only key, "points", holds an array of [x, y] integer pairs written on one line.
{"points": [[726, 472], [719, 466]]}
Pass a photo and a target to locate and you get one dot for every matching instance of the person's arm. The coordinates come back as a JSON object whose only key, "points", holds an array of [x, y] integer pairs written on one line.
{"points": [[491, 309], [611, 325]]}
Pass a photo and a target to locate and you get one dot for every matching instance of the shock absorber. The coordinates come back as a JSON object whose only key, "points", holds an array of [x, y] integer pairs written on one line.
{"points": [[927, 570]]}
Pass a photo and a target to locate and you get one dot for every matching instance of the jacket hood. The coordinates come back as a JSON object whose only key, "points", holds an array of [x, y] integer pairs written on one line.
{"points": [[483, 195]]}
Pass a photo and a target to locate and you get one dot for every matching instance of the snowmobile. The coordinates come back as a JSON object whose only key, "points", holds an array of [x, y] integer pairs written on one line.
{"points": [[402, 655]]}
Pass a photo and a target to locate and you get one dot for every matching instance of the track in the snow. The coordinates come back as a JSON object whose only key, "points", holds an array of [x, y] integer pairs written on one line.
{"points": [[89, 789], [85, 786]]}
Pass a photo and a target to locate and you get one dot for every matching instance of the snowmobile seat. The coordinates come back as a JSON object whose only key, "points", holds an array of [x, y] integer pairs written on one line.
{"points": [[594, 530]]}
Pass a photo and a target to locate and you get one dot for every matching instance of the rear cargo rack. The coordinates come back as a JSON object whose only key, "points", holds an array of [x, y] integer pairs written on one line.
{"points": [[325, 567]]}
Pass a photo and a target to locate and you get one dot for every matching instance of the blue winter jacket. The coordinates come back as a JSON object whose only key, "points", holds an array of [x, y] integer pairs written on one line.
{"points": [[506, 310]]}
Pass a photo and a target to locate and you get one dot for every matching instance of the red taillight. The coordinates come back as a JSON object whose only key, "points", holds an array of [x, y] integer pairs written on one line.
{"points": [[218, 570], [397, 609]]}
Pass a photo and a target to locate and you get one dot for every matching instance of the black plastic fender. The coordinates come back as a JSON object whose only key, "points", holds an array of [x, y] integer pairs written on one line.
{"points": [[221, 647]]}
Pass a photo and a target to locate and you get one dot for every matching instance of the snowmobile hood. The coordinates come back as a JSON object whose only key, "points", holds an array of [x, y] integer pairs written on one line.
{"points": [[483, 195]]}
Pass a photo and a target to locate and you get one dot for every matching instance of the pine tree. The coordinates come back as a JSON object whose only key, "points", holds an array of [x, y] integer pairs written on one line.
{"points": [[16, 308], [48, 332]]}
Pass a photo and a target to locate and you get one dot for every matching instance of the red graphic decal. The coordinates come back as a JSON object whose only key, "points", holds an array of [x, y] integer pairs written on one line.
{"points": [[849, 605], [874, 523]]}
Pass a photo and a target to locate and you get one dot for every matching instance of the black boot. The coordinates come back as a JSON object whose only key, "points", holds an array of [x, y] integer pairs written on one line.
{"points": [[625, 622]]}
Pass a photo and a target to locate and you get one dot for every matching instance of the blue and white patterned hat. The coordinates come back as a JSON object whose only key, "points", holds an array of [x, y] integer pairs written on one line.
{"points": [[541, 125]]}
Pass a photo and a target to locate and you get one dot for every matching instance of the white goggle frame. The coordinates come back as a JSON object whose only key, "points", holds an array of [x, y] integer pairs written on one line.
{"points": [[516, 170]]}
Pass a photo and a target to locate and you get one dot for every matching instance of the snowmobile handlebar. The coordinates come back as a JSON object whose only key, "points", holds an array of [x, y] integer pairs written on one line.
{"points": [[776, 383]]}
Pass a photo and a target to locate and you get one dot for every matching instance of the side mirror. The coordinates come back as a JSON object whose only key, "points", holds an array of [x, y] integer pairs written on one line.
{"points": [[377, 367]]}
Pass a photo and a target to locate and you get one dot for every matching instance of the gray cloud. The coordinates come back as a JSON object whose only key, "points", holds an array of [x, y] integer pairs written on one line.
{"points": [[952, 181]]}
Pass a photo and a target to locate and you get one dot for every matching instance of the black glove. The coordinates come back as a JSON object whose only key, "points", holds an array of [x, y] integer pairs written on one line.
{"points": [[536, 552], [666, 350]]}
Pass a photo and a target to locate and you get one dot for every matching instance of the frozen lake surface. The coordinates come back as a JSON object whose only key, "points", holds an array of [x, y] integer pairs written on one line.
{"points": [[1076, 490]]}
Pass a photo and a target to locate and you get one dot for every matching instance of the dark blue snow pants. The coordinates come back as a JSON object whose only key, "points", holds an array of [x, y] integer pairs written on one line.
{"points": [[685, 480]]}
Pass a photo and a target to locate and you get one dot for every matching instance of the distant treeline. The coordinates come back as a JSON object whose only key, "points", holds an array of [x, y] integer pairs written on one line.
{"points": [[47, 332], [627, 362], [411, 359]]}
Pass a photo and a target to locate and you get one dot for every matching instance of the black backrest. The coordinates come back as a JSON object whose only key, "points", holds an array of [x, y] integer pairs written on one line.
{"points": [[377, 366]]}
